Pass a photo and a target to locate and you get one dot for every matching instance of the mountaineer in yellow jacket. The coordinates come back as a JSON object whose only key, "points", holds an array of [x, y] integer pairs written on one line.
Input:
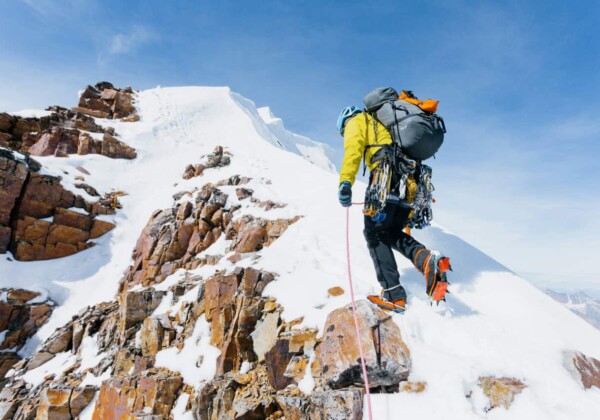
{"points": [[365, 138]]}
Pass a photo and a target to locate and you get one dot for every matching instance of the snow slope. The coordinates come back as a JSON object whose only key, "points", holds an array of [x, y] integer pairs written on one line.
{"points": [[495, 323]]}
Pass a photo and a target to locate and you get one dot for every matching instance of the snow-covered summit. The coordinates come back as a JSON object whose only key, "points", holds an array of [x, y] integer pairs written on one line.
{"points": [[494, 323]]}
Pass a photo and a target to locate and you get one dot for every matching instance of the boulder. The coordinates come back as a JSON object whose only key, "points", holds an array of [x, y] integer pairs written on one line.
{"points": [[99, 228], [137, 305], [501, 392], [386, 355], [54, 403], [152, 394], [73, 219], [584, 368], [116, 149]]}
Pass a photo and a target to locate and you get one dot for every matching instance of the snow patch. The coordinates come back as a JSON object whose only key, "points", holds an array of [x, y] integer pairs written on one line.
{"points": [[197, 360]]}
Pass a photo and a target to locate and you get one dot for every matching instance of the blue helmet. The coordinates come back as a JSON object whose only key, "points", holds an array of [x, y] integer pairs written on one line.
{"points": [[346, 113]]}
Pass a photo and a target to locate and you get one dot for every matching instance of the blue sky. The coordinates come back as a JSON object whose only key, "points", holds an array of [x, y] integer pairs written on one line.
{"points": [[518, 83]]}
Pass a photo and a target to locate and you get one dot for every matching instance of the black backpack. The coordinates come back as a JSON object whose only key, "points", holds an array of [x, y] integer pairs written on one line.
{"points": [[413, 124]]}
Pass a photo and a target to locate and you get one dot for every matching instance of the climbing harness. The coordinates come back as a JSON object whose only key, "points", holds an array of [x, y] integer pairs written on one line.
{"points": [[360, 348]]}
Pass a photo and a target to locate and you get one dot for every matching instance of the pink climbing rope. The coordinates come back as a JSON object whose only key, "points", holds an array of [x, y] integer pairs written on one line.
{"points": [[360, 348]]}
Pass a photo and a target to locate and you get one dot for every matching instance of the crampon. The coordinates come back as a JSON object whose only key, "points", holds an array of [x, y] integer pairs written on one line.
{"points": [[436, 268], [398, 306]]}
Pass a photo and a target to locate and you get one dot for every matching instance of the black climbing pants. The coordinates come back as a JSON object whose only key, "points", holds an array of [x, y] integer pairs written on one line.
{"points": [[384, 236]]}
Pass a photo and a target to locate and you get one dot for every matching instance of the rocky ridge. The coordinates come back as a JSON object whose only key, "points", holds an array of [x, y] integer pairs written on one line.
{"points": [[29, 199], [263, 362], [39, 218], [22, 312]]}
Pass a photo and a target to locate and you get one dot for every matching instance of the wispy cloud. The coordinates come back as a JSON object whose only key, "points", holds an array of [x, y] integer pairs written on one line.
{"points": [[125, 43], [54, 7]]}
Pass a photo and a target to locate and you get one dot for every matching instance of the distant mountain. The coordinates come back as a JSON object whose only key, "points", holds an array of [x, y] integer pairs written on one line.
{"points": [[580, 303]]}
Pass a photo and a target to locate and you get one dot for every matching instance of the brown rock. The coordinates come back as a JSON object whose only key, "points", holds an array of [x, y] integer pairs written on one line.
{"points": [[277, 360], [113, 148], [128, 398], [32, 230], [65, 235], [152, 336], [26, 125], [6, 140], [7, 361], [335, 291], [7, 122], [131, 118], [294, 407], [387, 360], [500, 391], [188, 172], [59, 341], [80, 399], [344, 404], [251, 239], [99, 228], [38, 359], [243, 193], [41, 196], [5, 234], [73, 219], [12, 179], [87, 188], [412, 387], [54, 403], [91, 112], [137, 305], [586, 369], [20, 296], [108, 94], [123, 105]]}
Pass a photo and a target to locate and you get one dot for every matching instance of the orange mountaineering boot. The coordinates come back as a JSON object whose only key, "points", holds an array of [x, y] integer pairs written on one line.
{"points": [[434, 267], [398, 306]]}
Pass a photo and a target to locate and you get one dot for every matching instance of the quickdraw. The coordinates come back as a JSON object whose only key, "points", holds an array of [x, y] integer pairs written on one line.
{"points": [[422, 214], [378, 191]]}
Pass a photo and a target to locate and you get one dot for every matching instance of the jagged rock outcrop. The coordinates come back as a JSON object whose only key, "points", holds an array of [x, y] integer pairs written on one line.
{"points": [[65, 132], [152, 393], [19, 133], [386, 355], [584, 368], [173, 237], [28, 197], [19, 321], [501, 392], [106, 101], [262, 365], [217, 159], [61, 143]]}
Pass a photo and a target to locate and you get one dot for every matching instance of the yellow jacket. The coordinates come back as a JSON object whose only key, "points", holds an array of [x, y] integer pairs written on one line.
{"points": [[361, 131]]}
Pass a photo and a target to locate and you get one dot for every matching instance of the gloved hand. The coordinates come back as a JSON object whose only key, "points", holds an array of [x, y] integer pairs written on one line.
{"points": [[345, 194]]}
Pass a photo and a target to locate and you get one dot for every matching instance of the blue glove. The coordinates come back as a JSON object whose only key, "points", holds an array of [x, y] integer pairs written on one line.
{"points": [[345, 194]]}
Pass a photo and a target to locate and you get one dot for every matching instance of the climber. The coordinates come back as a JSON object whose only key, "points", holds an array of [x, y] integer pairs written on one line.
{"points": [[364, 136]]}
